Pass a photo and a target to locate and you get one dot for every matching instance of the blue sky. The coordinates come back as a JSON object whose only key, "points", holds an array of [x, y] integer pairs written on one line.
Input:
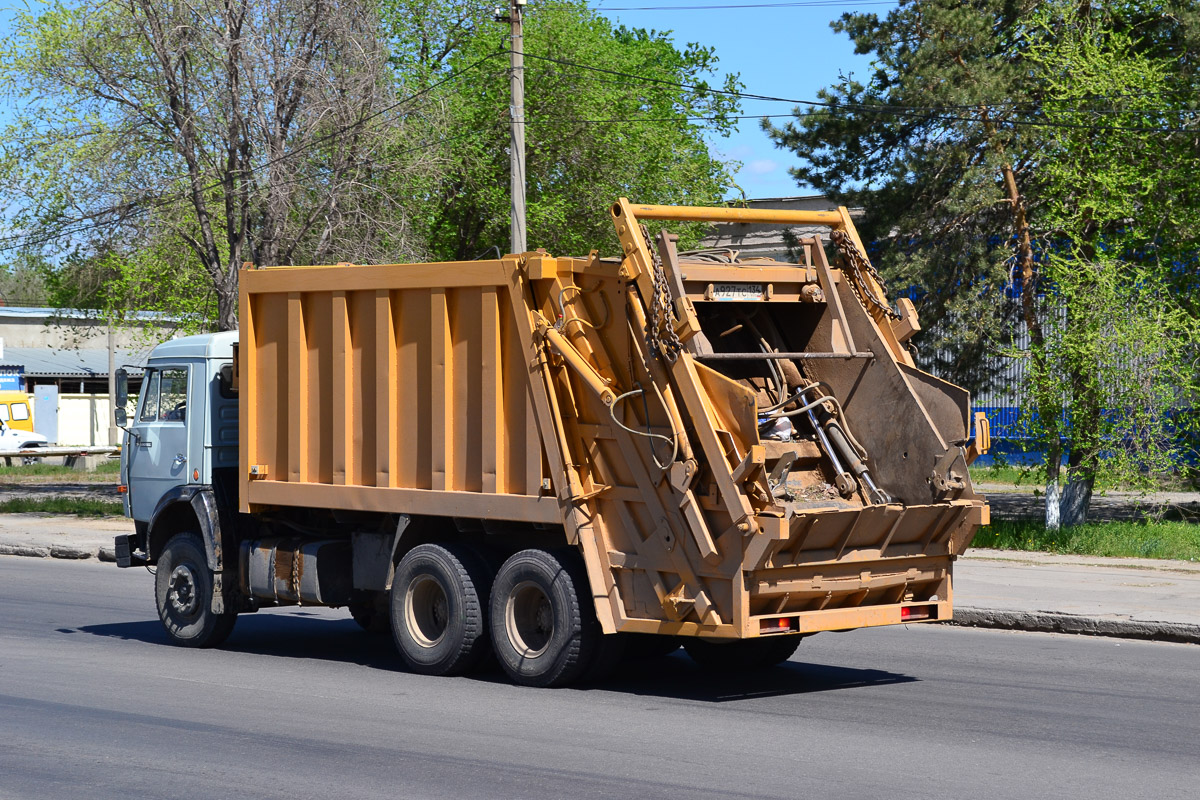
{"points": [[782, 52]]}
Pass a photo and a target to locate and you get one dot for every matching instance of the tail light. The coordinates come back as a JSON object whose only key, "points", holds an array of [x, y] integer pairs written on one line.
{"points": [[777, 625], [915, 613]]}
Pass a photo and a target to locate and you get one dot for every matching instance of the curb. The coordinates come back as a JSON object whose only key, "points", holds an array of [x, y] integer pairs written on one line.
{"points": [[1053, 622], [66, 552]]}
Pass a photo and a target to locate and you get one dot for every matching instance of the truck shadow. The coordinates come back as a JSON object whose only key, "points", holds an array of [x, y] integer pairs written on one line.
{"points": [[312, 635], [294, 635], [677, 677]]}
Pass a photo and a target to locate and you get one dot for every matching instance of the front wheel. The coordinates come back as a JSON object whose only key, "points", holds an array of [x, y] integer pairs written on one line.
{"points": [[183, 589]]}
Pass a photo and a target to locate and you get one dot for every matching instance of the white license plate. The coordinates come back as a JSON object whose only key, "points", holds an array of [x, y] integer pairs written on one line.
{"points": [[737, 291]]}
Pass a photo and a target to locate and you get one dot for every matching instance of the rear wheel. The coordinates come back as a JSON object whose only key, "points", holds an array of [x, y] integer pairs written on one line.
{"points": [[183, 589], [544, 629], [439, 609], [741, 654]]}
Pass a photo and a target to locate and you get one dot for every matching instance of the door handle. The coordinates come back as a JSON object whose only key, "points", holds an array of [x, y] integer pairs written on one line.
{"points": [[180, 460], [144, 444]]}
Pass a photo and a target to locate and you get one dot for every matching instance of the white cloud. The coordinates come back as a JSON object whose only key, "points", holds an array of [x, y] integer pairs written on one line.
{"points": [[761, 166]]}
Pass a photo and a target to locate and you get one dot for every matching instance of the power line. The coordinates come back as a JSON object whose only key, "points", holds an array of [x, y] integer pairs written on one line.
{"points": [[178, 197], [897, 110], [988, 104], [139, 207], [810, 4]]}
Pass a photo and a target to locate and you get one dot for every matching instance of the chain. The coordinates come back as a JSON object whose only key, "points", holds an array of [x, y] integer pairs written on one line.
{"points": [[295, 577], [857, 266], [660, 316]]}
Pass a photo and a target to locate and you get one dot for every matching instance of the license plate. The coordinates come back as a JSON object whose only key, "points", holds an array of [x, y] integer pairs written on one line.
{"points": [[737, 291]]}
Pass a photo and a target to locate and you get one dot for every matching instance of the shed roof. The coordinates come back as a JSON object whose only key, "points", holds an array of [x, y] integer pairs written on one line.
{"points": [[45, 362]]}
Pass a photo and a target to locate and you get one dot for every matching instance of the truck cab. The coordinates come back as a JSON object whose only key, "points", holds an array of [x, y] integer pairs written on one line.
{"points": [[183, 431]]}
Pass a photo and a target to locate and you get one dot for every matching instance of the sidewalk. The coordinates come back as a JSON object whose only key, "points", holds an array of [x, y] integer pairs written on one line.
{"points": [[1129, 598], [60, 535], [1135, 598]]}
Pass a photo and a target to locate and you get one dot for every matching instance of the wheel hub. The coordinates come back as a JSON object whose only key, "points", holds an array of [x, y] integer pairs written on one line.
{"points": [[529, 619], [426, 610], [181, 592]]}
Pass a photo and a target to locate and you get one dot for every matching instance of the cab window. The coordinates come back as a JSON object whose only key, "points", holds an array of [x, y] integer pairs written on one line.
{"points": [[20, 412], [172, 405], [165, 397], [150, 397], [3, 412]]}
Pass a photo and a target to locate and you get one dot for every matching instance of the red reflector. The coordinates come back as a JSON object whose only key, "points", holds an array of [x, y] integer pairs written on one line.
{"points": [[776, 625], [915, 613], [122, 489]]}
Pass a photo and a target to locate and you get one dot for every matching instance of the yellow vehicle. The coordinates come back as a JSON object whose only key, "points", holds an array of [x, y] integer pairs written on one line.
{"points": [[552, 459], [16, 411]]}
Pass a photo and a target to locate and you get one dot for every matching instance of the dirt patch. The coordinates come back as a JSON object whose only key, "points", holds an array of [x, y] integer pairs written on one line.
{"points": [[1182, 506], [78, 491]]}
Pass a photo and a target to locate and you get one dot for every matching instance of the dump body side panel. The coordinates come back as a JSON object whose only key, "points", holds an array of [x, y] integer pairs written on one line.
{"points": [[397, 388]]}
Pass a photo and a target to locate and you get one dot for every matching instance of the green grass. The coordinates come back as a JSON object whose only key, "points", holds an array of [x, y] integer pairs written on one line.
{"points": [[1011, 475], [110, 467], [63, 505], [1173, 540], [1005, 473]]}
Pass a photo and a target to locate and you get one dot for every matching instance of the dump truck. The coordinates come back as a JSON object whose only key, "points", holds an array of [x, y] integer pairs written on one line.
{"points": [[559, 461]]}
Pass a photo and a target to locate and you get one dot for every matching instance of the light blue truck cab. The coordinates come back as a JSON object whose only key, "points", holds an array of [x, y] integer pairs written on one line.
{"points": [[168, 451], [179, 468], [178, 461]]}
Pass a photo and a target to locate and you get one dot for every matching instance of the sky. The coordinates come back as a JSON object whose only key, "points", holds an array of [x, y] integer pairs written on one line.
{"points": [[781, 52]]}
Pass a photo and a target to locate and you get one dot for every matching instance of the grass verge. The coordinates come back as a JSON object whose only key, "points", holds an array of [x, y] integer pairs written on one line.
{"points": [[1172, 540], [108, 469], [996, 473], [62, 505]]}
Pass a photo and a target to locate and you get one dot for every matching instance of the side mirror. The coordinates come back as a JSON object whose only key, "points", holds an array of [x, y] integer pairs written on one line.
{"points": [[122, 398], [122, 387]]}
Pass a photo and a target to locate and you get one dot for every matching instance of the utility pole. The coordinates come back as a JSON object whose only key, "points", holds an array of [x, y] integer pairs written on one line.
{"points": [[112, 384], [517, 114]]}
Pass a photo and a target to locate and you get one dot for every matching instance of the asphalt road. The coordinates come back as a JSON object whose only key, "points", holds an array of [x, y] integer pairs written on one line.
{"points": [[302, 704]]}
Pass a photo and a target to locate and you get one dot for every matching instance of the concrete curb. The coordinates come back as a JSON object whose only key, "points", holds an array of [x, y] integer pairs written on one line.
{"points": [[67, 552], [32, 551], [1054, 622]]}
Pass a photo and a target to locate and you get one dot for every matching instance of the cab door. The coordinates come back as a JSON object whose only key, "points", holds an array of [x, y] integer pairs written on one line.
{"points": [[159, 451]]}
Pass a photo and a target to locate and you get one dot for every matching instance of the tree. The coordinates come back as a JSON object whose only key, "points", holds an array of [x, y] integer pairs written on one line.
{"points": [[628, 129], [959, 142], [21, 281], [233, 130], [1122, 206]]}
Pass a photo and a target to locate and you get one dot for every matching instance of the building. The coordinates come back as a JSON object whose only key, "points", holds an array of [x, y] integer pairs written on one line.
{"points": [[61, 357], [766, 240]]}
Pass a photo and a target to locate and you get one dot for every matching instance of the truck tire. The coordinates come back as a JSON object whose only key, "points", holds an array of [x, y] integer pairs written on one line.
{"points": [[544, 629], [741, 654], [439, 609], [183, 590]]}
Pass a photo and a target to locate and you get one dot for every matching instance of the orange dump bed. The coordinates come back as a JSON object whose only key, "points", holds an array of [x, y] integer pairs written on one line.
{"points": [[739, 448]]}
